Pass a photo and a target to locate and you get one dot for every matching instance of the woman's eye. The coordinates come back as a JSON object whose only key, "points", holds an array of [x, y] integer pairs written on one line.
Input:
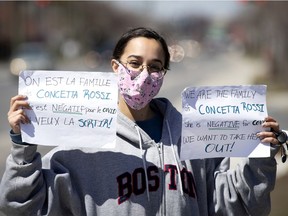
{"points": [[155, 68], [135, 64]]}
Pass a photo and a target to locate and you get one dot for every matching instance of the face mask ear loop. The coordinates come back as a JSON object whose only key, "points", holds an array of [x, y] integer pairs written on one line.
{"points": [[117, 62]]}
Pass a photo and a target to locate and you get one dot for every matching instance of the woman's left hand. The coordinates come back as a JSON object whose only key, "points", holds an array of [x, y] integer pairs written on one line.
{"points": [[269, 136]]}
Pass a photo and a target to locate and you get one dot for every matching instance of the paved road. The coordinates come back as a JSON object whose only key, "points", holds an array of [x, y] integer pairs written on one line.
{"points": [[207, 70]]}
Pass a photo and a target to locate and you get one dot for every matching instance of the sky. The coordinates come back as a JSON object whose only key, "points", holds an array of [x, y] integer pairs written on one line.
{"points": [[174, 9]]}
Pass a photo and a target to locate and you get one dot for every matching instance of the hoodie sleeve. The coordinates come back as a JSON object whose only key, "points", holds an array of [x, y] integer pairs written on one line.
{"points": [[22, 187], [244, 190]]}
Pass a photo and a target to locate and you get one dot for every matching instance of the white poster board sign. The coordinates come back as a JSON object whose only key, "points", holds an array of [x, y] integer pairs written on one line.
{"points": [[222, 121], [70, 108]]}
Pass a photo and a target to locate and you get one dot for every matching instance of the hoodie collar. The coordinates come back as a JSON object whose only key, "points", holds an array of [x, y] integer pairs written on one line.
{"points": [[126, 127]]}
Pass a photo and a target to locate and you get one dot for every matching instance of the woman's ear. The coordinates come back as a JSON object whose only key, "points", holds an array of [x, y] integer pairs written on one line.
{"points": [[114, 65]]}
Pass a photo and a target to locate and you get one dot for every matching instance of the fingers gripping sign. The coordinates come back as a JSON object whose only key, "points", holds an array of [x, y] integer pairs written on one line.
{"points": [[268, 136], [16, 113], [275, 136]]}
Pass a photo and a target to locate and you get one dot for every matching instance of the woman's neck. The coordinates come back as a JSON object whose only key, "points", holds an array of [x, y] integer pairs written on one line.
{"points": [[135, 115]]}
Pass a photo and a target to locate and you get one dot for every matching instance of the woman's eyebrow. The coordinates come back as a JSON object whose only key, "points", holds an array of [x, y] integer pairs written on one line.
{"points": [[134, 56], [139, 57]]}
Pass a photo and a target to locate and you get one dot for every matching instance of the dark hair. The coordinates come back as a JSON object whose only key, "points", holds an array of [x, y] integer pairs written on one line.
{"points": [[141, 32]]}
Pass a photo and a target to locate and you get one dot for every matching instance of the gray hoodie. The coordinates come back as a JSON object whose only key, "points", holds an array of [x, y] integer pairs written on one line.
{"points": [[138, 177]]}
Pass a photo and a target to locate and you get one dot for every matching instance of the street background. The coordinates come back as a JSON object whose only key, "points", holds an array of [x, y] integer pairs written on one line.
{"points": [[211, 43]]}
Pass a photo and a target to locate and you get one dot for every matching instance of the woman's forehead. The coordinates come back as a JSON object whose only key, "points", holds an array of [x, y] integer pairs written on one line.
{"points": [[145, 48]]}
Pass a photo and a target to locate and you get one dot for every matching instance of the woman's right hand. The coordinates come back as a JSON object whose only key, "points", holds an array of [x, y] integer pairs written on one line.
{"points": [[16, 113]]}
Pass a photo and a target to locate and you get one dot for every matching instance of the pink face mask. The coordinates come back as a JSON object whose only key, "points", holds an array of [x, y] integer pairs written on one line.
{"points": [[139, 91]]}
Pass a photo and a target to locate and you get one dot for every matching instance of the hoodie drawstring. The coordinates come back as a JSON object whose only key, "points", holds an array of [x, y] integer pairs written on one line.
{"points": [[175, 158], [144, 161]]}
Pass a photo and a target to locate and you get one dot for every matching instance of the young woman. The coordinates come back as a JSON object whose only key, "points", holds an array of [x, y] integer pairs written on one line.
{"points": [[143, 174]]}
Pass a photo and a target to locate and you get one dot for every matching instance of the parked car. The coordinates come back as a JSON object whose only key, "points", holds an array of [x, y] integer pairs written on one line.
{"points": [[31, 56]]}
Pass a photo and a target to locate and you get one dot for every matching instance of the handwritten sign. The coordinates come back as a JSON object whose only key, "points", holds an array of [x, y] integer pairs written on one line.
{"points": [[222, 121], [70, 108]]}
